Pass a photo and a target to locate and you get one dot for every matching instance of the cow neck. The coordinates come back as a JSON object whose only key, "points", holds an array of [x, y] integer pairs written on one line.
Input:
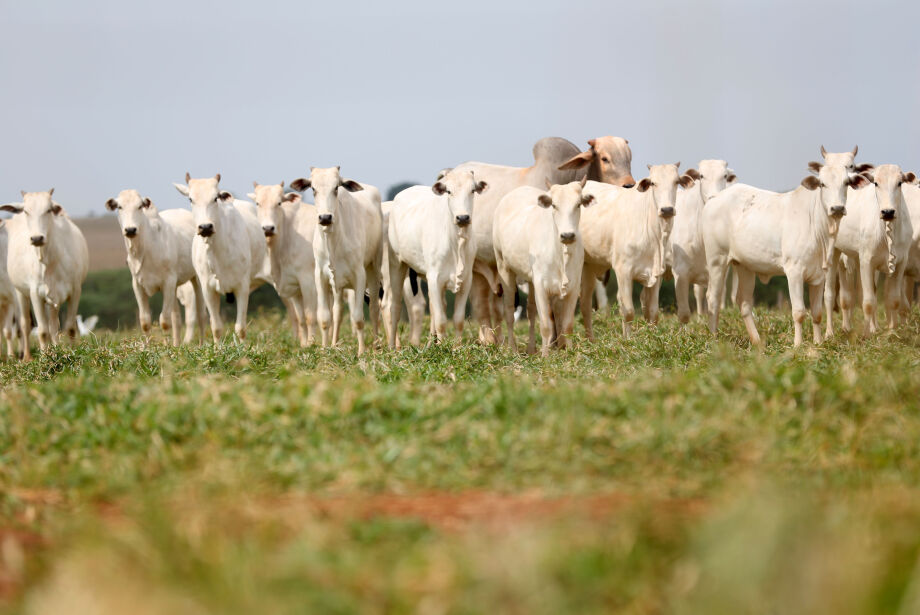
{"points": [[330, 236], [889, 231], [825, 233], [278, 244], [137, 246], [659, 231], [217, 244], [457, 240], [565, 251]]}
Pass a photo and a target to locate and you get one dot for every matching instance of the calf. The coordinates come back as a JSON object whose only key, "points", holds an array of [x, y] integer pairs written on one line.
{"points": [[877, 232], [429, 231], [347, 248], [688, 256], [628, 231], [159, 248], [537, 240], [289, 226], [228, 251], [47, 263], [765, 233]]}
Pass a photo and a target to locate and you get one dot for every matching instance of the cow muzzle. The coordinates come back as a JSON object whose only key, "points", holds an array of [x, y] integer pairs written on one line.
{"points": [[628, 182], [325, 219], [269, 230], [838, 211], [567, 238], [205, 230], [131, 231], [887, 215], [37, 240], [463, 220], [666, 212]]}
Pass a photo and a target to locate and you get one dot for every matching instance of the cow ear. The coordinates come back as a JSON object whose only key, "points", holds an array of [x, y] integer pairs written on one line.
{"points": [[291, 197], [815, 167], [544, 201], [442, 173], [811, 182], [859, 181], [351, 185], [576, 162], [909, 177], [13, 208], [145, 203], [111, 204], [439, 189], [731, 177], [188, 177], [56, 208], [693, 173], [481, 187], [251, 196], [224, 196], [182, 188], [862, 168], [586, 199], [686, 180], [644, 185], [548, 183], [300, 184]]}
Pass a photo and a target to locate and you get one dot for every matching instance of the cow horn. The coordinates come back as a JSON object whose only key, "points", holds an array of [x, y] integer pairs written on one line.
{"points": [[823, 152], [255, 184], [188, 177], [855, 149], [217, 177], [50, 192]]}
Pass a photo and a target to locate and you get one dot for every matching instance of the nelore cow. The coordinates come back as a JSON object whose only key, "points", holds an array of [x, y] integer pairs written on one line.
{"points": [[47, 263], [628, 230], [688, 257], [763, 233], [228, 251], [876, 236], [159, 255], [429, 230], [347, 249], [537, 241], [289, 226]]}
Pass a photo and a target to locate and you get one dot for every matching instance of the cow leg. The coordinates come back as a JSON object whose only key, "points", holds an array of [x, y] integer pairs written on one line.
{"points": [[25, 323], [509, 284], [544, 313], [566, 319], [624, 298], [651, 300], [41, 321], [814, 300], [496, 315], [907, 286], [587, 288], [307, 298], [744, 297], [73, 308], [212, 302], [169, 318], [395, 288], [436, 290], [356, 310], [682, 293], [372, 277], [715, 292], [797, 300], [893, 291], [600, 293], [191, 317], [242, 309], [830, 292], [460, 303], [869, 302], [644, 304], [54, 323], [323, 307], [699, 294], [144, 316], [300, 330], [847, 277], [480, 296]]}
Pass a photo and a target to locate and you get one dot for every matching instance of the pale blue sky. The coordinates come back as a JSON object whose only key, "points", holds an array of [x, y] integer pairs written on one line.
{"points": [[101, 96]]}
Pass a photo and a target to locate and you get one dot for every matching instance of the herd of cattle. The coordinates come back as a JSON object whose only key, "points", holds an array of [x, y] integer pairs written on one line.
{"points": [[481, 230]]}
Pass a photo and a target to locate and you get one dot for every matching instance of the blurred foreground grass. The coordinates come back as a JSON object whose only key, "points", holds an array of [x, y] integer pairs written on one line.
{"points": [[667, 473]]}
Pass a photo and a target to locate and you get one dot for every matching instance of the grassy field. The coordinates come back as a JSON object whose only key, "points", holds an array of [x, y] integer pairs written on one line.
{"points": [[671, 473]]}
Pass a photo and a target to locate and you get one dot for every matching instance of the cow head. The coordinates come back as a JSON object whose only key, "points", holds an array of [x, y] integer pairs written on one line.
{"points": [[844, 159], [887, 180], [565, 201], [268, 200], [133, 212], [38, 209], [713, 177], [831, 181], [460, 188], [662, 181], [206, 198], [326, 184], [609, 160]]}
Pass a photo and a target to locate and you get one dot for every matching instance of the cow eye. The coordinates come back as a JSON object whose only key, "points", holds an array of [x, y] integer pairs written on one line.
{"points": [[701, 176], [605, 159]]}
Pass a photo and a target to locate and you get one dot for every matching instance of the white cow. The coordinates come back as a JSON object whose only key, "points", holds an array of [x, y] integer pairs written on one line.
{"points": [[8, 311], [159, 255], [877, 232], [688, 256], [537, 240], [413, 297], [289, 225], [347, 246], [225, 228], [429, 231], [765, 233], [549, 153], [627, 230], [47, 263], [911, 195]]}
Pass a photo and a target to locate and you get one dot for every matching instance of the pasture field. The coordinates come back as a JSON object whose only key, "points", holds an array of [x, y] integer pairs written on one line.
{"points": [[671, 473]]}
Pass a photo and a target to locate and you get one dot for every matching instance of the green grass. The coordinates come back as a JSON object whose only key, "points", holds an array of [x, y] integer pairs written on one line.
{"points": [[668, 473]]}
